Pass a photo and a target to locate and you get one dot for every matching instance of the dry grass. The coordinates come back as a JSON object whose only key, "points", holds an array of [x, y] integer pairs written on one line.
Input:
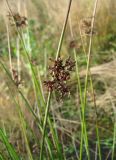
{"points": [[56, 12], [106, 71], [105, 76]]}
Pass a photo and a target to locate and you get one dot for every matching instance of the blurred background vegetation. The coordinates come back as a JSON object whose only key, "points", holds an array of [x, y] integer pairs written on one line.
{"points": [[45, 21]]}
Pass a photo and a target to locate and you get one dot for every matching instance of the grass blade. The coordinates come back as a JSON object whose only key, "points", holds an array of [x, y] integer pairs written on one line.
{"points": [[12, 153]]}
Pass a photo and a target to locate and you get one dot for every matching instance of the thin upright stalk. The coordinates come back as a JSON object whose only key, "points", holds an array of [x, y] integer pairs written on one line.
{"points": [[94, 98], [114, 132], [44, 124], [9, 50], [18, 48], [90, 49], [18, 59], [114, 141], [63, 30], [83, 124], [49, 94], [87, 73]]}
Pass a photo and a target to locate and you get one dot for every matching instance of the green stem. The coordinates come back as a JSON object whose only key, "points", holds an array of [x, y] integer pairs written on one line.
{"points": [[44, 125], [49, 95], [84, 132], [63, 30]]}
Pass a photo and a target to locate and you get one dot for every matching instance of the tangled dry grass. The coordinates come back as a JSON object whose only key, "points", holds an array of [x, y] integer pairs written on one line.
{"points": [[106, 74]]}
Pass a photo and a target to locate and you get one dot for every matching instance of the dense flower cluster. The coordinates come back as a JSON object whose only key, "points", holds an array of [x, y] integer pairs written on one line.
{"points": [[60, 73]]}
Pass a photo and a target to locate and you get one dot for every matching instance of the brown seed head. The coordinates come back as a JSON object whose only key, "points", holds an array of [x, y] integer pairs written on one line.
{"points": [[60, 73], [20, 21]]}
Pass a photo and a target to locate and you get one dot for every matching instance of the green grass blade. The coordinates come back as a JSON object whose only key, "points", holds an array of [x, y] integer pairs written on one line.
{"points": [[9, 147], [38, 124], [36, 118], [23, 127], [114, 141], [1, 157]]}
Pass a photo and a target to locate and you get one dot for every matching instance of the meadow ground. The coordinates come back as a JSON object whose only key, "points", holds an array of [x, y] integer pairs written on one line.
{"points": [[58, 80]]}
